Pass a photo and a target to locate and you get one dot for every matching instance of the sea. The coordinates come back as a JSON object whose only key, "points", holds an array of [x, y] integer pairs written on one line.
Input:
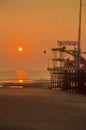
{"points": [[22, 75]]}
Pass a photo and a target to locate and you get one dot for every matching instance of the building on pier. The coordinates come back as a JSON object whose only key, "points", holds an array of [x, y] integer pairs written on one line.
{"points": [[64, 71]]}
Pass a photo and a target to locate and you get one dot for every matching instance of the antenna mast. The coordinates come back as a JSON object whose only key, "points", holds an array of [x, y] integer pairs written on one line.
{"points": [[79, 35]]}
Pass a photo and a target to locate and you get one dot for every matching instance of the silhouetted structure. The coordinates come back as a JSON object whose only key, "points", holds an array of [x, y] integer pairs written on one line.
{"points": [[64, 71], [71, 74]]}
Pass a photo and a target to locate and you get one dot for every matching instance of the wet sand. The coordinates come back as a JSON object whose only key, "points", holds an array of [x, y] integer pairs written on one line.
{"points": [[41, 109]]}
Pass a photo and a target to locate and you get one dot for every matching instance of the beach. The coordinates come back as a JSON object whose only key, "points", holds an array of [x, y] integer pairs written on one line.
{"points": [[40, 108]]}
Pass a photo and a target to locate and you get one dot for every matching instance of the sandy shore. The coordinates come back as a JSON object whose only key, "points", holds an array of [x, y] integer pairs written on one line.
{"points": [[41, 109]]}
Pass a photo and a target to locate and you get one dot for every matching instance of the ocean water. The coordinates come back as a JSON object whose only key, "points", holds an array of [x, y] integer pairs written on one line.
{"points": [[28, 75]]}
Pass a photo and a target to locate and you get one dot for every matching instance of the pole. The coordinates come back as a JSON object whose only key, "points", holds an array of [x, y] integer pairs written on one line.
{"points": [[79, 35], [60, 55]]}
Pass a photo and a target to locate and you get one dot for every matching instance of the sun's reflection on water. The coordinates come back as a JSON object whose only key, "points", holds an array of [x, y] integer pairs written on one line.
{"points": [[20, 75], [21, 81]]}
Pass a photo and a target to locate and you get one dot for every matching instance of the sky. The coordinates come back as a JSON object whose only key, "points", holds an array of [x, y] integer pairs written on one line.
{"points": [[36, 25]]}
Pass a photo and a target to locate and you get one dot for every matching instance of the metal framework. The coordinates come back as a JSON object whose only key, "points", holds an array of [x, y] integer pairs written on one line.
{"points": [[73, 76]]}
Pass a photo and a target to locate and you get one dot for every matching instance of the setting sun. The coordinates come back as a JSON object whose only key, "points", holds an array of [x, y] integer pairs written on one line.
{"points": [[20, 49]]}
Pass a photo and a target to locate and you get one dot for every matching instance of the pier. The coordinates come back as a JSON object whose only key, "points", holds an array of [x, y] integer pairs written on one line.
{"points": [[68, 71], [64, 71]]}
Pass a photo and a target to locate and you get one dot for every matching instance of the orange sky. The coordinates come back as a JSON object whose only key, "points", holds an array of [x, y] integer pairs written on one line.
{"points": [[36, 25]]}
